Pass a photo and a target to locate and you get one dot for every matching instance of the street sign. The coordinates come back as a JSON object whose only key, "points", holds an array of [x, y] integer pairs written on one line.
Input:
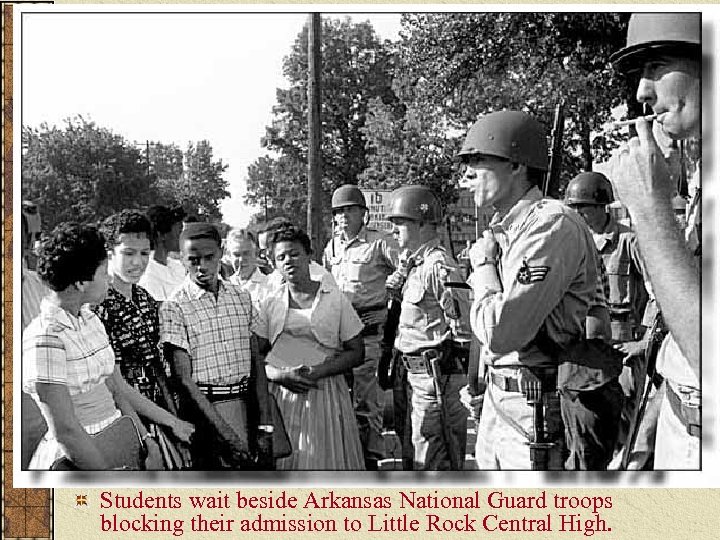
{"points": [[378, 201]]}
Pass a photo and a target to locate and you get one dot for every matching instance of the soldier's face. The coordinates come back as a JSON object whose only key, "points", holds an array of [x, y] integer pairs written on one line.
{"points": [[406, 232], [489, 180], [671, 86], [593, 214], [349, 219]]}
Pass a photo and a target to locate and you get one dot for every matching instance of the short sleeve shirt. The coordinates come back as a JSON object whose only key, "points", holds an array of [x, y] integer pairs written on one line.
{"points": [[361, 265], [59, 348], [214, 332]]}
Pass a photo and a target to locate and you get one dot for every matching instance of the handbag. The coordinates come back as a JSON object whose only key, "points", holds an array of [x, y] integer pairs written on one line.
{"points": [[120, 445], [282, 447]]}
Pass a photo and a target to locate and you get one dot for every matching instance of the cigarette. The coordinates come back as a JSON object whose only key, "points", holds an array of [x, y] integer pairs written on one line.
{"points": [[611, 126]]}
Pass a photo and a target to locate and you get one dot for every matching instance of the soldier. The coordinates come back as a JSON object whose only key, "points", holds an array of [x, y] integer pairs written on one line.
{"points": [[663, 49], [534, 276], [360, 260], [589, 193], [433, 332]]}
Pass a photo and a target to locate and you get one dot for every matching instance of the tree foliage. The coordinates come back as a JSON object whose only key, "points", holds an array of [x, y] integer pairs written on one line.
{"points": [[82, 172], [355, 69], [454, 67]]}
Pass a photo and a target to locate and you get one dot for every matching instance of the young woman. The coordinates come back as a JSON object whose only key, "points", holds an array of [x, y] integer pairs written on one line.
{"points": [[315, 338], [68, 363]]}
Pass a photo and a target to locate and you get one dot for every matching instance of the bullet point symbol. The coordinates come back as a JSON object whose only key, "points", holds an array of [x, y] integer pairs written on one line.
{"points": [[80, 500]]}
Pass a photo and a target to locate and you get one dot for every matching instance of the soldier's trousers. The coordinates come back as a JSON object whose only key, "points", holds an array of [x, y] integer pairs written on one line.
{"points": [[402, 397], [675, 448], [368, 401], [592, 423], [506, 429], [439, 426]]}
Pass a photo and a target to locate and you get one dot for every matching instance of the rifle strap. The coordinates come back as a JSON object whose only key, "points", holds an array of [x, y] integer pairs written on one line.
{"points": [[506, 418]]}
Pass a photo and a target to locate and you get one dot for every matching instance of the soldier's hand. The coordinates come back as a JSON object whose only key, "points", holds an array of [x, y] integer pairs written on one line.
{"points": [[486, 247], [395, 281], [530, 385], [472, 403], [640, 174], [631, 349]]}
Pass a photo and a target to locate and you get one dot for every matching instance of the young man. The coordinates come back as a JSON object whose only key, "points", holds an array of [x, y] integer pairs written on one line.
{"points": [[433, 333], [360, 260], [163, 274], [207, 328], [664, 50], [535, 274], [241, 257]]}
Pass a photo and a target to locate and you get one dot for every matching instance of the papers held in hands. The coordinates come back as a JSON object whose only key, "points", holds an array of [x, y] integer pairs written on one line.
{"points": [[290, 351]]}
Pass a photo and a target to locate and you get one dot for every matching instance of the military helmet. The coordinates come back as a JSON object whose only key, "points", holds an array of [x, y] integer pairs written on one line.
{"points": [[348, 195], [589, 188], [415, 202], [512, 135], [650, 34]]}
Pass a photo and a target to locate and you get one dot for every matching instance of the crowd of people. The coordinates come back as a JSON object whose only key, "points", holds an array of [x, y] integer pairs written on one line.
{"points": [[571, 339]]}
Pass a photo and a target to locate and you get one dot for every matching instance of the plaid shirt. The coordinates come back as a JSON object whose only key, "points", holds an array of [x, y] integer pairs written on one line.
{"points": [[59, 348], [134, 329], [215, 333]]}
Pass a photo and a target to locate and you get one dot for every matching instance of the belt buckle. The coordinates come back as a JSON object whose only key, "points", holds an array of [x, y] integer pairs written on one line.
{"points": [[429, 355]]}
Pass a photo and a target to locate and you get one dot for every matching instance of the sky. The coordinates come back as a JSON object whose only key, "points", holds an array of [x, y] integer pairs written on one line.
{"points": [[167, 77]]}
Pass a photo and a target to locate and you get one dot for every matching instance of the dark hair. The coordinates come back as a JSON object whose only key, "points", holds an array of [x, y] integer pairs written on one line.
{"points": [[163, 218], [70, 253], [289, 234], [127, 221], [199, 230]]}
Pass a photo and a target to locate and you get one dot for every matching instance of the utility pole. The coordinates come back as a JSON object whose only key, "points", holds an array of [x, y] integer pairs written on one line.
{"points": [[314, 212]]}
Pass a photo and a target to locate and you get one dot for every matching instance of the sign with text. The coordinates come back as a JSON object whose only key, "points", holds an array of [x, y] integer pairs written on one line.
{"points": [[378, 201]]}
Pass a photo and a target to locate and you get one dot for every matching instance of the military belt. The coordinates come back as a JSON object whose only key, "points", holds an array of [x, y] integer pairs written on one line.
{"points": [[419, 362], [689, 415], [510, 383]]}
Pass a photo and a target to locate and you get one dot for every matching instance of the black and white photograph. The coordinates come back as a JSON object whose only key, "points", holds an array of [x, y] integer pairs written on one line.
{"points": [[371, 241]]}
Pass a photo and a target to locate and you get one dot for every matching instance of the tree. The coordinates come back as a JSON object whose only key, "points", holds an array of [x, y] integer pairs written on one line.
{"points": [[201, 187], [452, 68], [82, 172], [355, 69]]}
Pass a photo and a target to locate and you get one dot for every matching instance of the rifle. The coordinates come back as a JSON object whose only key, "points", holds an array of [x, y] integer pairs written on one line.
{"points": [[386, 364], [552, 178]]}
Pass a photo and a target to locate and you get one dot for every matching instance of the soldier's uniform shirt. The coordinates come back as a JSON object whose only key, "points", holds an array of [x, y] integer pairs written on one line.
{"points": [[675, 447], [618, 247], [431, 315], [360, 266], [431, 312], [548, 270]]}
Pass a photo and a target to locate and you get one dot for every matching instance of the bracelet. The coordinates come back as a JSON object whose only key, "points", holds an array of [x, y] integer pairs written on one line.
{"points": [[267, 428]]}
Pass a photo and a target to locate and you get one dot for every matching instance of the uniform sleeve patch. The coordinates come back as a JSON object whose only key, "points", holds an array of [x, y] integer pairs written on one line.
{"points": [[531, 274]]}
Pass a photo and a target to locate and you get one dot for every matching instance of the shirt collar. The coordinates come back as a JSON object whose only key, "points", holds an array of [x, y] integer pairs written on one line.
{"points": [[62, 317], [195, 292], [361, 236], [515, 217]]}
